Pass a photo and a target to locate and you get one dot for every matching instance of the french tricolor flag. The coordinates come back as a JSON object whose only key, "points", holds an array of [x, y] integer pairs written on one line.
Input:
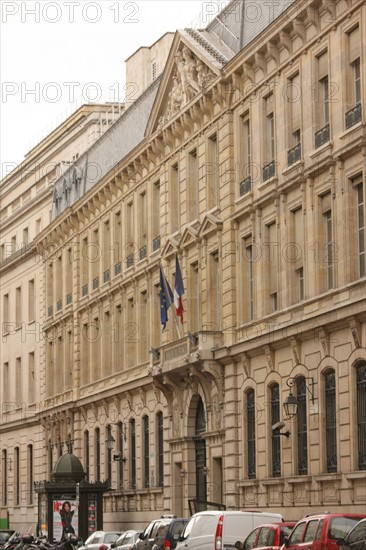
{"points": [[178, 290]]}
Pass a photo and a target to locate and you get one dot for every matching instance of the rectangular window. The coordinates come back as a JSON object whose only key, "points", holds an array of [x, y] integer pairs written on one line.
{"points": [[109, 454], [354, 60], [94, 257], [174, 198], [25, 236], [130, 333], [68, 275], [143, 227], [5, 383], [273, 265], [155, 221], [5, 312], [192, 186], [361, 414], [360, 200], [248, 279], [294, 114], [212, 172], [117, 245], [245, 168], [194, 298], [31, 312], [269, 139], [118, 334], [329, 247], [295, 253], [106, 251], [84, 258], [19, 378], [143, 326], [354, 109], [18, 306], [214, 291], [31, 378], [130, 247], [107, 344]]}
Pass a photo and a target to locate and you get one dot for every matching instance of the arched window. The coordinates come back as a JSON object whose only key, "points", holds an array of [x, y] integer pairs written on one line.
{"points": [[250, 407], [17, 476], [146, 435], [4, 477], [160, 447], [120, 452], [275, 434], [361, 414], [109, 453], [133, 452], [30, 474], [97, 454], [302, 440], [86, 455], [330, 421]]}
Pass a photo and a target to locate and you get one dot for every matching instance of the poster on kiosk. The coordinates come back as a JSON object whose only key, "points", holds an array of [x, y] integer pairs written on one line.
{"points": [[65, 518]]}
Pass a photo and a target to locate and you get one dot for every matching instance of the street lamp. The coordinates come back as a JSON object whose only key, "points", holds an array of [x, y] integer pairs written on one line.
{"points": [[291, 402], [110, 441]]}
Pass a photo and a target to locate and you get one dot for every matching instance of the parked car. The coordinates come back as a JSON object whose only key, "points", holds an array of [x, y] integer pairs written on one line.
{"points": [[218, 529], [321, 531], [270, 536], [356, 538], [126, 540], [100, 540], [161, 534]]}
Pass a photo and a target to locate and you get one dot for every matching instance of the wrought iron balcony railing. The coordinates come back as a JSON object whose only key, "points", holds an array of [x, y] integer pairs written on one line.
{"points": [[246, 186], [269, 170], [156, 243], [322, 136], [294, 154], [353, 116]]}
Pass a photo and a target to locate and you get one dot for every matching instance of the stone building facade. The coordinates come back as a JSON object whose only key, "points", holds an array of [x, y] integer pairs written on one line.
{"points": [[27, 196], [248, 163]]}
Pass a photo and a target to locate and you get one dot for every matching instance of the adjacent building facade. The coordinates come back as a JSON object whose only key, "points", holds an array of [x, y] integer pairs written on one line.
{"points": [[246, 160]]}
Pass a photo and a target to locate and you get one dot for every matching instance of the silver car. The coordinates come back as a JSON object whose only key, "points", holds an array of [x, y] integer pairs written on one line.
{"points": [[101, 540], [126, 540]]}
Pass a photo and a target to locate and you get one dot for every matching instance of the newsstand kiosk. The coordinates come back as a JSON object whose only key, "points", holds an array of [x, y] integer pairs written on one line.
{"points": [[68, 503]]}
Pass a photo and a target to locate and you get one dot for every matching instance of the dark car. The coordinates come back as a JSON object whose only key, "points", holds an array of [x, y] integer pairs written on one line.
{"points": [[270, 536], [161, 534], [356, 538], [321, 531]]}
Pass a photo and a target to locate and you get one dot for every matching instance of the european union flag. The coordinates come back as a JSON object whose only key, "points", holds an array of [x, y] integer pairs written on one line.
{"points": [[166, 298]]}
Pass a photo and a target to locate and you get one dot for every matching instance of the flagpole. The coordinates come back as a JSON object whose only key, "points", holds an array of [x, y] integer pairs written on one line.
{"points": [[170, 302]]}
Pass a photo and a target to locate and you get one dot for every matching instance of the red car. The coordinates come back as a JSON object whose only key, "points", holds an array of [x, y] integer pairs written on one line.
{"points": [[321, 531], [270, 536]]}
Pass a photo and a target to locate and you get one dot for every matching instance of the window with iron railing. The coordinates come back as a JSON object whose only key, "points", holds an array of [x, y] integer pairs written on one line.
{"points": [[330, 421], [302, 435], [251, 443], [133, 453], [146, 436], [160, 446], [275, 434], [361, 413]]}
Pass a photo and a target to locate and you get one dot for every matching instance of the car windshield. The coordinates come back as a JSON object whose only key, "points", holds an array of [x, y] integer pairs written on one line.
{"points": [[111, 537], [285, 530], [340, 526], [177, 528]]}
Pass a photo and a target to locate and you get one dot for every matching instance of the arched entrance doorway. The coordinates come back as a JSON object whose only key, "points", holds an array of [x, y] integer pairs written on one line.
{"points": [[200, 456]]}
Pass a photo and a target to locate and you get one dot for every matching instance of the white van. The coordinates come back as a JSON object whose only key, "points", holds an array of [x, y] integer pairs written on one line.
{"points": [[220, 530]]}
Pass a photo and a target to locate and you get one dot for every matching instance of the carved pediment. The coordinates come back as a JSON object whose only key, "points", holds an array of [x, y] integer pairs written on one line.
{"points": [[210, 224], [190, 77], [188, 72], [170, 248], [189, 237]]}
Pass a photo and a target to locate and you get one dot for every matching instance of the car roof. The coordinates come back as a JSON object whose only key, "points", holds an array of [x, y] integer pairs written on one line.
{"points": [[279, 524], [335, 515]]}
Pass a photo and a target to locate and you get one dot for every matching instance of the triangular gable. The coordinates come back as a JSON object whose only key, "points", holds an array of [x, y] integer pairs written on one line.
{"points": [[189, 237], [188, 70], [170, 247], [210, 224]]}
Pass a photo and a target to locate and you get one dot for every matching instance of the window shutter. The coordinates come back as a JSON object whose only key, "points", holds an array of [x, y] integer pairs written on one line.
{"points": [[354, 44], [322, 65]]}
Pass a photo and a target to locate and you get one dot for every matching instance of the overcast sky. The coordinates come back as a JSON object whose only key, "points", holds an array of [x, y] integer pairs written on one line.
{"points": [[58, 54]]}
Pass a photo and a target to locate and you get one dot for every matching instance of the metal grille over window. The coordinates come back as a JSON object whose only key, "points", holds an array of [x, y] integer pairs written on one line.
{"points": [[331, 422], [302, 441], [251, 434], [246, 186], [353, 116], [322, 136], [361, 414], [276, 444]]}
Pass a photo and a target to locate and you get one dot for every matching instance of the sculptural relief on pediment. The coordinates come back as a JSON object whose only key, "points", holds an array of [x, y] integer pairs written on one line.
{"points": [[190, 77]]}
